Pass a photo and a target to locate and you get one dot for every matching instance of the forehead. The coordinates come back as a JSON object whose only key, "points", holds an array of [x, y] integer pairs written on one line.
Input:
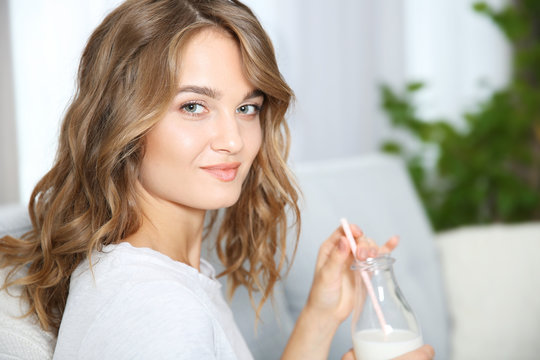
{"points": [[210, 51]]}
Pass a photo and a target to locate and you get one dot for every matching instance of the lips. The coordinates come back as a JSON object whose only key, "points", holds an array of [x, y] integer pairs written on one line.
{"points": [[224, 172]]}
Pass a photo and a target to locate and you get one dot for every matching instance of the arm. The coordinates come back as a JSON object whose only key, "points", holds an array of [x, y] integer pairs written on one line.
{"points": [[331, 298]]}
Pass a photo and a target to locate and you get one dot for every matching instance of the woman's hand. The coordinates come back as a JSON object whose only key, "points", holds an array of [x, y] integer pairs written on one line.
{"points": [[331, 297], [332, 292], [425, 352]]}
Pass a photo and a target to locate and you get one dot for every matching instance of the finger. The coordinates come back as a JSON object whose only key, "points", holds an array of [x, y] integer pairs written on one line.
{"points": [[390, 245], [349, 355], [366, 247], [356, 231], [373, 249], [327, 247], [337, 259], [425, 352], [428, 351]]}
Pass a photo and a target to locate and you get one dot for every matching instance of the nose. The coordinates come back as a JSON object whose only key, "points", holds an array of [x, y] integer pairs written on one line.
{"points": [[227, 134]]}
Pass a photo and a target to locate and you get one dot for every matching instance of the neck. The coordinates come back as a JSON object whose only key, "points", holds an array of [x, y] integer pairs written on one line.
{"points": [[169, 228]]}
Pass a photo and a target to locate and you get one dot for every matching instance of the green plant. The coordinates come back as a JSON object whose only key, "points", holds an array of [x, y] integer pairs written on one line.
{"points": [[489, 171]]}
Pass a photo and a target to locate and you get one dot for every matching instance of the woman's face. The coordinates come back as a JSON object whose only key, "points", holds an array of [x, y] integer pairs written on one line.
{"points": [[200, 152]]}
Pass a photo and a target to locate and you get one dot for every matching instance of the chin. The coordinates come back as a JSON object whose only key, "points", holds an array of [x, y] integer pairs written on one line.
{"points": [[221, 202], [227, 204]]}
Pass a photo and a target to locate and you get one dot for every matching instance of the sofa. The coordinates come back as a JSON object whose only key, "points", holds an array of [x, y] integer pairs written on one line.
{"points": [[463, 285]]}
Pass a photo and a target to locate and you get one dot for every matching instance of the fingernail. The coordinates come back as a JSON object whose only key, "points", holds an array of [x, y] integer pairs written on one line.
{"points": [[358, 230], [372, 252]]}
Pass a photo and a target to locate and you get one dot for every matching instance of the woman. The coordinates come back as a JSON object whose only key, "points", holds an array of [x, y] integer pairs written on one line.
{"points": [[179, 112]]}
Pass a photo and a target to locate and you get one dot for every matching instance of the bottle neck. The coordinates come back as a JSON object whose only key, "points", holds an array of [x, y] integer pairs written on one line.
{"points": [[380, 263]]}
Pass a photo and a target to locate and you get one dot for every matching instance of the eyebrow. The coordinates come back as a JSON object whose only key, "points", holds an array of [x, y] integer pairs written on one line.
{"points": [[254, 94], [214, 94], [202, 90]]}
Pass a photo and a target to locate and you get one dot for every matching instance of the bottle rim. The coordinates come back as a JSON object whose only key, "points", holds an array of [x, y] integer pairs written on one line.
{"points": [[381, 261]]}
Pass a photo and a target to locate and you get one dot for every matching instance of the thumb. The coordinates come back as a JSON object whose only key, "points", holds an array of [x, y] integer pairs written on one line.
{"points": [[349, 355], [425, 352], [338, 257]]}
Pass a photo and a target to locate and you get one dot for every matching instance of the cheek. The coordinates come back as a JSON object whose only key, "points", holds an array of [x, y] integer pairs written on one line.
{"points": [[254, 141], [187, 142], [174, 144], [169, 151]]}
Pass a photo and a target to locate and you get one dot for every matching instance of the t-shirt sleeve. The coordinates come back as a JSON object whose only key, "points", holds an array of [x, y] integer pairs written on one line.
{"points": [[157, 320]]}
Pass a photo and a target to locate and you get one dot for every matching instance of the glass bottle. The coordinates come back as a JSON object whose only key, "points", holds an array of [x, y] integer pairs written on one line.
{"points": [[383, 326]]}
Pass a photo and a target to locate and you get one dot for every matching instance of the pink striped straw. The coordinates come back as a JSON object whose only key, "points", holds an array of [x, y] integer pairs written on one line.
{"points": [[387, 329]]}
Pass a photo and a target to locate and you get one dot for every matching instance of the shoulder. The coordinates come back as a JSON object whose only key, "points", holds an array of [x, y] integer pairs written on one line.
{"points": [[155, 296], [161, 319], [160, 302], [121, 264]]}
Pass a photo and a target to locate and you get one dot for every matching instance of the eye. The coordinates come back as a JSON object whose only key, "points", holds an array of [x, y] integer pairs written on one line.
{"points": [[193, 108], [248, 109]]}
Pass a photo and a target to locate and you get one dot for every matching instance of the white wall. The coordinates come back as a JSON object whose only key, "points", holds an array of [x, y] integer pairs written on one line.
{"points": [[333, 54]]}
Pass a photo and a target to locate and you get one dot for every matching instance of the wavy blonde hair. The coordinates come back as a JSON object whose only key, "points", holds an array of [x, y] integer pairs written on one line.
{"points": [[126, 79]]}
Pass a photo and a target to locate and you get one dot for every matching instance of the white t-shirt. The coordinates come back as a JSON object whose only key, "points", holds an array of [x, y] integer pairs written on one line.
{"points": [[141, 304]]}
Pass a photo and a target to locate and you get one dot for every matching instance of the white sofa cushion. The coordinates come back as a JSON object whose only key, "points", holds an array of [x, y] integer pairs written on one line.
{"points": [[492, 274], [21, 338], [14, 220]]}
